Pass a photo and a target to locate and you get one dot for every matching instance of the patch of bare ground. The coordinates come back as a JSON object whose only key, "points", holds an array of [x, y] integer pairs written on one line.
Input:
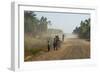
{"points": [[72, 48]]}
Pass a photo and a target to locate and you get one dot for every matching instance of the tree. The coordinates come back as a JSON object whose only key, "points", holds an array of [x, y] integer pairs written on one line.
{"points": [[29, 21], [43, 24], [84, 29], [76, 30], [33, 25]]}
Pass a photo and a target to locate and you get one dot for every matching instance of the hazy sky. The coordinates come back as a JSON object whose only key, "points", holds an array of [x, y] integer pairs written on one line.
{"points": [[64, 21]]}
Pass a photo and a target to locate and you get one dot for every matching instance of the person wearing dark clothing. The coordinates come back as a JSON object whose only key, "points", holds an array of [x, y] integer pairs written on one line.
{"points": [[63, 37], [48, 45], [56, 43]]}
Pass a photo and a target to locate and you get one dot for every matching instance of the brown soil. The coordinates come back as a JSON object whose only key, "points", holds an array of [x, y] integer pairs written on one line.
{"points": [[72, 48]]}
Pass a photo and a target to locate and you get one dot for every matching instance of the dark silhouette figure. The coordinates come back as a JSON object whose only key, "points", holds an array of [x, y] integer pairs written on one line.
{"points": [[56, 43], [48, 45], [63, 36]]}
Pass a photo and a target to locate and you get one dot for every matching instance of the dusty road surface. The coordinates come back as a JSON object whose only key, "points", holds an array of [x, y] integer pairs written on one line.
{"points": [[71, 48]]}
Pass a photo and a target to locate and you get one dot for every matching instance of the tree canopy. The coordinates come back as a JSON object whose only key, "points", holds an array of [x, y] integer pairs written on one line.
{"points": [[33, 25], [83, 30]]}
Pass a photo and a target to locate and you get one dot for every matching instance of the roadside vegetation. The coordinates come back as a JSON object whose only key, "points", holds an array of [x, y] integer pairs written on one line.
{"points": [[83, 30]]}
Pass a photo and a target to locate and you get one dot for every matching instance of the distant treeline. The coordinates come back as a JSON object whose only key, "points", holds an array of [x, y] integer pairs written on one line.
{"points": [[83, 30], [34, 25]]}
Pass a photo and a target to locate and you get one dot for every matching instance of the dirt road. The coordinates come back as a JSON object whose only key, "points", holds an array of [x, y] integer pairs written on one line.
{"points": [[71, 48]]}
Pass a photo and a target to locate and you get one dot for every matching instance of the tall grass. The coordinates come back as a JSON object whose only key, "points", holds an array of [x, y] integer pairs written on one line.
{"points": [[33, 46]]}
